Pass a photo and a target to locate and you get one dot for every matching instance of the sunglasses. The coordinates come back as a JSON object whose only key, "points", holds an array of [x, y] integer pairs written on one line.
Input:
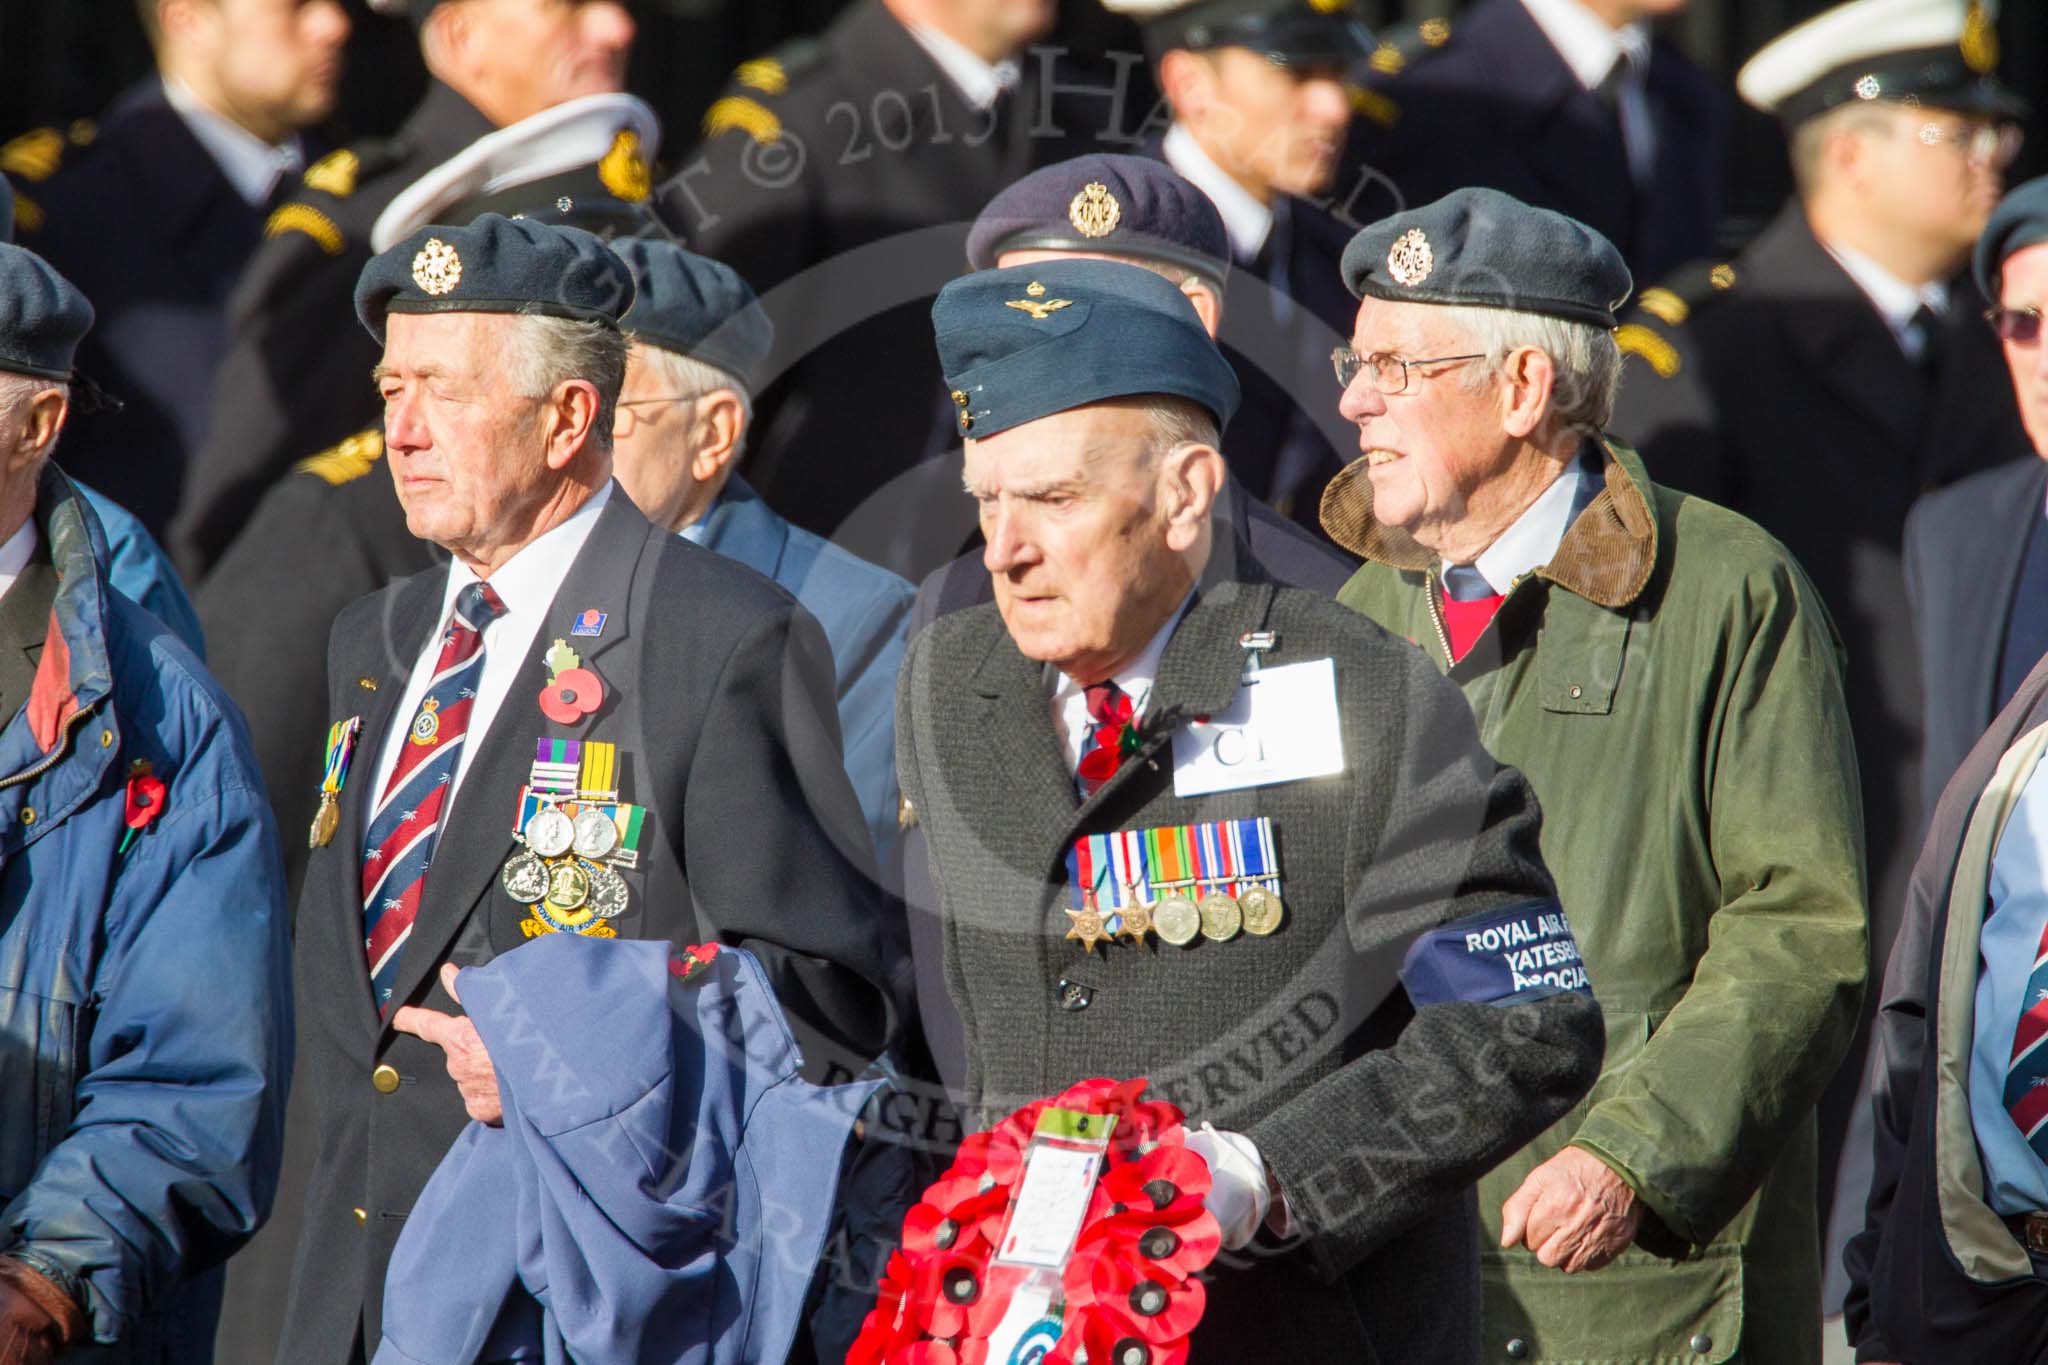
{"points": [[2020, 326]]}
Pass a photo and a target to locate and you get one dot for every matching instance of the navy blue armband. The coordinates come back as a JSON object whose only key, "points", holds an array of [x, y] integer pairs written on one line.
{"points": [[1504, 957]]}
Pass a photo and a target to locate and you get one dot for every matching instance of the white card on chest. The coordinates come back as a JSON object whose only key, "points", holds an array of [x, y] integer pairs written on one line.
{"points": [[1281, 727]]}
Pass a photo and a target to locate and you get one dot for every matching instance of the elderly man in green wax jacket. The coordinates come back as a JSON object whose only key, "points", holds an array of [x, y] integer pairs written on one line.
{"points": [[1669, 681]]}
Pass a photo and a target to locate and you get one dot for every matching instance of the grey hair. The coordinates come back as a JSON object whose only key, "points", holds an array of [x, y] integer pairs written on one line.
{"points": [[1587, 362], [548, 351], [1809, 140], [17, 389], [685, 376], [1178, 421], [1175, 273]]}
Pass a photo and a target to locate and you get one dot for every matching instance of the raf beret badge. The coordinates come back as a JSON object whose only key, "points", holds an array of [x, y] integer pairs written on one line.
{"points": [[1410, 259], [437, 269], [1094, 212]]}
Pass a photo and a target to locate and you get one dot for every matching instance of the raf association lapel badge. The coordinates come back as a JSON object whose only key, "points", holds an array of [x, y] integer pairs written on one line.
{"points": [[341, 747]]}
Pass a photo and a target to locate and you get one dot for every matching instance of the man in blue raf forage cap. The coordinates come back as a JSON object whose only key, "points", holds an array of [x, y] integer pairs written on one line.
{"points": [[141, 908], [625, 706], [1958, 1270], [1668, 679], [1105, 706]]}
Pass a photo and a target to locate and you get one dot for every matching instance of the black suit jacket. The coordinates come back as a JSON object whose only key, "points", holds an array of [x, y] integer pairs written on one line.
{"points": [[312, 547], [144, 222], [1497, 105], [295, 377], [1964, 545], [1283, 313], [845, 201], [720, 698]]}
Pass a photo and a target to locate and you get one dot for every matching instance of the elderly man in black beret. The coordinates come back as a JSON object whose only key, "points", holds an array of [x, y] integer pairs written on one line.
{"points": [[1671, 684], [1951, 1262], [580, 725], [1309, 845]]}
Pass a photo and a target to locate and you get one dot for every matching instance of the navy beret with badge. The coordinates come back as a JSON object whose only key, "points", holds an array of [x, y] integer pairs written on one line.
{"points": [[496, 265], [2019, 221], [43, 316], [1130, 205], [1937, 53], [695, 307], [1487, 249], [1024, 343], [1297, 33]]}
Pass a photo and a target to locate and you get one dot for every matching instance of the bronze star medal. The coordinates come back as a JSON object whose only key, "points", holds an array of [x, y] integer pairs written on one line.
{"points": [[1087, 929]]}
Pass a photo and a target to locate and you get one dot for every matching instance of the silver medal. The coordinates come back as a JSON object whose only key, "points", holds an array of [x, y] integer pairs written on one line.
{"points": [[524, 877], [549, 832], [596, 833]]}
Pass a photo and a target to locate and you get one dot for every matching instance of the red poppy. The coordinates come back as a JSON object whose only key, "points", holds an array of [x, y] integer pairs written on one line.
{"points": [[1166, 1185], [1154, 1308], [574, 694], [145, 801]]}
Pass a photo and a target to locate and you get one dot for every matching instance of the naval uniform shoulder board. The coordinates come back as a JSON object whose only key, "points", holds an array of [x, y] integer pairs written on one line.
{"points": [[1660, 310], [1399, 47], [34, 157], [346, 462], [329, 182], [743, 108]]}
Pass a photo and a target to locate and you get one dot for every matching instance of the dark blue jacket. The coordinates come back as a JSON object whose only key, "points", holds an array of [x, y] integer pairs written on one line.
{"points": [[865, 611], [145, 1015], [662, 1182]]}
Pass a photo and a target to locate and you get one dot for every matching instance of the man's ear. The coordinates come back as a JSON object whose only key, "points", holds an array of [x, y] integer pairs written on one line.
{"points": [[1192, 476], [719, 427], [571, 416], [1208, 303], [1530, 378], [41, 421]]}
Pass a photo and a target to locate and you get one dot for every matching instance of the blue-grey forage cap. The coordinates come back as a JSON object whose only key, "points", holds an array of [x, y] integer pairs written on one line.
{"points": [[42, 315], [2019, 221], [496, 265], [1482, 247], [696, 307], [1024, 343], [1130, 205]]}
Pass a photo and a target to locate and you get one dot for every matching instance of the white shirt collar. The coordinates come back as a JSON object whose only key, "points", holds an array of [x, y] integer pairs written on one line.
{"points": [[1070, 700], [978, 82], [251, 165], [1589, 47], [1895, 300], [1244, 217], [16, 553], [1533, 539], [527, 584]]}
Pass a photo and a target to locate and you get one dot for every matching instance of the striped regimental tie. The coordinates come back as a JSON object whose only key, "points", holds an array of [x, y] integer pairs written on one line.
{"points": [[2026, 1076], [400, 842]]}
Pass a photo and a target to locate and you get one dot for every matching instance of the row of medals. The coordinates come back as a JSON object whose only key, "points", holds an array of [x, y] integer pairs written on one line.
{"points": [[567, 892], [1180, 919]]}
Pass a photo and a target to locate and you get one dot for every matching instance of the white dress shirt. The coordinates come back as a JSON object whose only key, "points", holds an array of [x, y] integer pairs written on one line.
{"points": [[527, 584], [251, 165], [1245, 219], [980, 83], [1070, 699], [1896, 301], [1533, 539], [15, 554], [1590, 47]]}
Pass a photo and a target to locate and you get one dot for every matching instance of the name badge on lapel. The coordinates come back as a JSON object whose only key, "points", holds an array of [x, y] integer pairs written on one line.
{"points": [[1281, 727]]}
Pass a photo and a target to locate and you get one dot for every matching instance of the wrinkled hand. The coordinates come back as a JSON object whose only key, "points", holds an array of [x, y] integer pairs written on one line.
{"points": [[37, 1319], [1573, 1211], [469, 1066], [1240, 1191]]}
